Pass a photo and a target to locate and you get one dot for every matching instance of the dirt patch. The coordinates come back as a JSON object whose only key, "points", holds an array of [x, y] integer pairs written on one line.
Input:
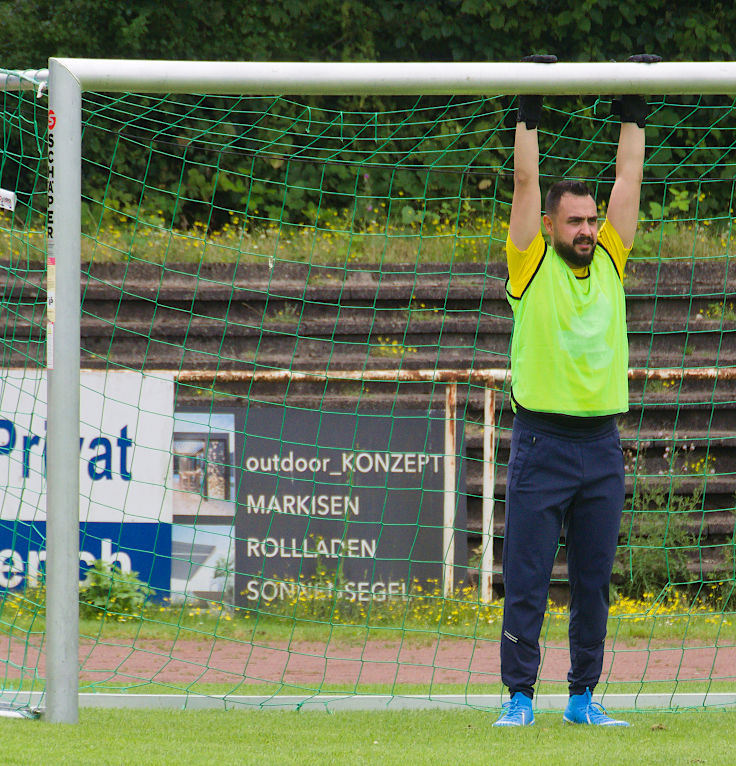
{"points": [[313, 665]]}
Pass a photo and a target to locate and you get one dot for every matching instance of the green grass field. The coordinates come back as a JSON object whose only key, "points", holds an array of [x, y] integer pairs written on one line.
{"points": [[425, 737]]}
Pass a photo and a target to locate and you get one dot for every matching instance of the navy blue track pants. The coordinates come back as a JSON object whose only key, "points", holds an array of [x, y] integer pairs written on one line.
{"points": [[559, 479]]}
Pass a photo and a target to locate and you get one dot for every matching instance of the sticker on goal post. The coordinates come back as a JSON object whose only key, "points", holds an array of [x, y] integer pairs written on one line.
{"points": [[50, 345], [7, 199]]}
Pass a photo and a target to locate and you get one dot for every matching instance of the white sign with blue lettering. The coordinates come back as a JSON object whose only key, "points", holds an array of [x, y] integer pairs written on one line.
{"points": [[125, 510], [126, 427]]}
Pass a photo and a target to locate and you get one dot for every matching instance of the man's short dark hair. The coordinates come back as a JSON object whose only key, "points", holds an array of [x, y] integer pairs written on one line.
{"points": [[566, 186]]}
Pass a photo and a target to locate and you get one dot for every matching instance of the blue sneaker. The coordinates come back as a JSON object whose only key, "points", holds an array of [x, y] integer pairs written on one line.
{"points": [[582, 709], [517, 712]]}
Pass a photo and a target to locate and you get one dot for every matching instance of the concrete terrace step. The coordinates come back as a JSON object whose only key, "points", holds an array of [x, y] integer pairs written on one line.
{"points": [[328, 321], [713, 526], [279, 277], [720, 484], [693, 316]]}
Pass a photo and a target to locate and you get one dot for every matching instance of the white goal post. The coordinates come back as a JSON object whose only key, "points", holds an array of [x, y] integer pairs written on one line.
{"points": [[69, 78]]}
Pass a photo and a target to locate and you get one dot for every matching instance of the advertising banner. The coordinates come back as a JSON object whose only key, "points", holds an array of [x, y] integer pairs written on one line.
{"points": [[125, 456], [361, 493], [231, 502]]}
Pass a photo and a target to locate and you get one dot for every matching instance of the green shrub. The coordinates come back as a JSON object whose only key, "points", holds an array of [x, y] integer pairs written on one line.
{"points": [[108, 590], [658, 541]]}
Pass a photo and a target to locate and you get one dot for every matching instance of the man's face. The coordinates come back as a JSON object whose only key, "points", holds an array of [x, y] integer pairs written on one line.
{"points": [[573, 228]]}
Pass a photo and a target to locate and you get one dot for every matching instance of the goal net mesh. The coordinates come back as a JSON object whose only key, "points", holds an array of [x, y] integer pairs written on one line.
{"points": [[275, 291]]}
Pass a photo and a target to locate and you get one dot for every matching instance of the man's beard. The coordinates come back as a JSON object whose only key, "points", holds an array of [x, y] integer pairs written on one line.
{"points": [[569, 254]]}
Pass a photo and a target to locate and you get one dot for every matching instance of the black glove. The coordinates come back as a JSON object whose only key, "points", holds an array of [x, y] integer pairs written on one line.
{"points": [[530, 107], [645, 58], [634, 108]]}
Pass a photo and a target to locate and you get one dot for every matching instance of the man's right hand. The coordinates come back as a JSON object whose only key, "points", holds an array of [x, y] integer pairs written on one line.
{"points": [[530, 107], [634, 108]]}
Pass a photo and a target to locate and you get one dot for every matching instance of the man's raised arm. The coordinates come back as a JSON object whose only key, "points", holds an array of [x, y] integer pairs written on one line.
{"points": [[526, 205], [623, 206]]}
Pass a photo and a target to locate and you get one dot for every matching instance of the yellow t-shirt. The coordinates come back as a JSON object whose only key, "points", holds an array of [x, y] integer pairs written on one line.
{"points": [[523, 264]]}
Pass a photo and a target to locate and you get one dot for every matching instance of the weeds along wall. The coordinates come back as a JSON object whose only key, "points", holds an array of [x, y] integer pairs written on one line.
{"points": [[246, 536]]}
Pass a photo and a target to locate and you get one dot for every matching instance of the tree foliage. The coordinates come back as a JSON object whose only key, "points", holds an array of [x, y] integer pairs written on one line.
{"points": [[354, 30]]}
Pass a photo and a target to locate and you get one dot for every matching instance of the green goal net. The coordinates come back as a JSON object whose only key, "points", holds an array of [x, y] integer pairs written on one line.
{"points": [[295, 346]]}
